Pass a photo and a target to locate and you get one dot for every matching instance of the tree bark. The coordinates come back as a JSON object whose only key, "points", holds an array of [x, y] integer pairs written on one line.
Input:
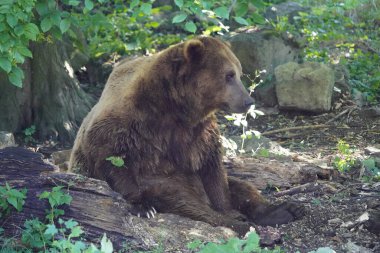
{"points": [[51, 98]]}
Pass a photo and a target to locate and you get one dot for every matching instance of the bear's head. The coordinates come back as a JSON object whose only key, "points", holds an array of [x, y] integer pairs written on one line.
{"points": [[211, 72]]}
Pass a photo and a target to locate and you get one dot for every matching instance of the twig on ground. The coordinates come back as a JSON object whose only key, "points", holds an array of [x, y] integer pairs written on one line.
{"points": [[309, 187], [295, 128], [338, 116]]}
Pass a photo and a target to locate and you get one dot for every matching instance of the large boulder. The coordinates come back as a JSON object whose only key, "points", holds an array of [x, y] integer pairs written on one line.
{"points": [[7, 140], [288, 9], [306, 87], [260, 50]]}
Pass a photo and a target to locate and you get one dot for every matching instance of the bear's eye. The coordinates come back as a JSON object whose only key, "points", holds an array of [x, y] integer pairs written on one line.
{"points": [[230, 76]]}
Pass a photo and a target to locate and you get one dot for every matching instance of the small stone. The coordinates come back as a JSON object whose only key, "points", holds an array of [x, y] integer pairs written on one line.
{"points": [[60, 157], [372, 151], [335, 222], [351, 247], [7, 140]]}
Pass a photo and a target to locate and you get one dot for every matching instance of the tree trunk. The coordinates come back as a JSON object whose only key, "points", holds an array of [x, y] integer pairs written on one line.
{"points": [[50, 99]]}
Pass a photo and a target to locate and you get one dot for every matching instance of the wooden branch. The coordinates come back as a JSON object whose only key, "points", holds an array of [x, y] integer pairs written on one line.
{"points": [[295, 128], [338, 116], [308, 187]]}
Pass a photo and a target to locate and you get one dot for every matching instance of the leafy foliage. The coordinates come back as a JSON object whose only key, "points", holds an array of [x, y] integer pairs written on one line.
{"points": [[11, 199], [240, 120], [373, 170], [344, 33], [233, 245], [28, 133], [344, 160], [56, 235], [26, 21], [111, 26], [213, 16]]}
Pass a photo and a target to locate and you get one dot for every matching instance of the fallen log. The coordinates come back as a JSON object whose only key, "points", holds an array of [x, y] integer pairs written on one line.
{"points": [[100, 210], [96, 207]]}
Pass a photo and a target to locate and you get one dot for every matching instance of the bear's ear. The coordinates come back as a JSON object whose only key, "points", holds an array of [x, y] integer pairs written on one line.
{"points": [[193, 50]]}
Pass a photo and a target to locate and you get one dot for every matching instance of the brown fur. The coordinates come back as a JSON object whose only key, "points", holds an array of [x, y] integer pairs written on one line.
{"points": [[157, 113]]}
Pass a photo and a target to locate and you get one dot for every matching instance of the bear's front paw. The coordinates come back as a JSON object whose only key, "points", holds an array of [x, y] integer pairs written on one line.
{"points": [[143, 211], [280, 214]]}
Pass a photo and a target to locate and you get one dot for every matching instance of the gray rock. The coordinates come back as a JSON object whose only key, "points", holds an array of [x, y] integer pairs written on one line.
{"points": [[61, 159], [373, 151], [255, 145], [7, 140], [260, 50], [351, 247], [289, 9], [306, 87]]}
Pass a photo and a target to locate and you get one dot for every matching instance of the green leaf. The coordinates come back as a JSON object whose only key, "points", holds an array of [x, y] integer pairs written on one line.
{"points": [[369, 163], [6, 2], [2, 27], [106, 245], [64, 25], [46, 24], [194, 244], [134, 3], [258, 3], [66, 199], [19, 30], [44, 195], [12, 201], [11, 20], [146, 8], [31, 31], [179, 18], [241, 21], [74, 2], [76, 232], [253, 243], [16, 76], [5, 64], [71, 224], [258, 19], [88, 4], [190, 27], [116, 160], [222, 12], [42, 8], [241, 9], [55, 18], [179, 3], [51, 229], [25, 51], [18, 57]]}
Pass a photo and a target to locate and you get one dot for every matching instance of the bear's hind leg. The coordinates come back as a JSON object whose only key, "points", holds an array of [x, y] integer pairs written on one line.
{"points": [[251, 203], [185, 196]]}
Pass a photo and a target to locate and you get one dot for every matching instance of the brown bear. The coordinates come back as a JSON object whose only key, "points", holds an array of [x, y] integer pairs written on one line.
{"points": [[158, 114]]}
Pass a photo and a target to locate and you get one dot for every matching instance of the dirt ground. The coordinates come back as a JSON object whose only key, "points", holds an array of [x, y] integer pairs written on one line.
{"points": [[336, 214], [344, 214]]}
